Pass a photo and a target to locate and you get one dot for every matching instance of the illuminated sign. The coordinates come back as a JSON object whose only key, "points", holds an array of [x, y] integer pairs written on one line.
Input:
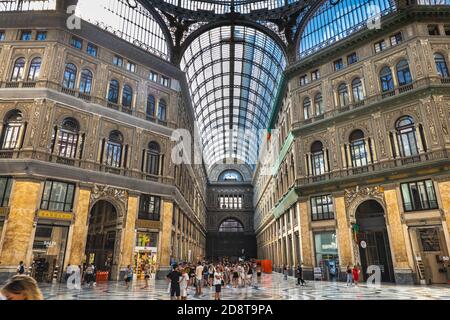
{"points": [[54, 215]]}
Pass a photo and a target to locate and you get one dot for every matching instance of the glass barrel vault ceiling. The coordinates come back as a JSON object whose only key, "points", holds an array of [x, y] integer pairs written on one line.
{"points": [[224, 6], [233, 73]]}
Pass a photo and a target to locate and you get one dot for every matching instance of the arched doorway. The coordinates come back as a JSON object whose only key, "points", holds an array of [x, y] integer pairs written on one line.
{"points": [[375, 250], [102, 233]]}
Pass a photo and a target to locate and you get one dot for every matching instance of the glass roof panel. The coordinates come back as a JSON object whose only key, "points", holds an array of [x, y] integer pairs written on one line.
{"points": [[233, 93]]}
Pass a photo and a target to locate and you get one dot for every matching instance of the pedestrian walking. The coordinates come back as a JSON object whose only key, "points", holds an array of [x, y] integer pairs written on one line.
{"points": [[184, 283], [128, 276], [355, 273], [349, 276], [21, 268], [147, 275], [198, 279], [174, 280], [299, 275], [218, 281], [285, 272]]}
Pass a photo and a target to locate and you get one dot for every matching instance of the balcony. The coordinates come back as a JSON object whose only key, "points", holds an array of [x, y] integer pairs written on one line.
{"points": [[373, 100], [376, 167]]}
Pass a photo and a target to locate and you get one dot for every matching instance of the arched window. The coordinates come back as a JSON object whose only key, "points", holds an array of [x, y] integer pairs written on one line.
{"points": [[441, 65], [318, 104], [403, 73], [114, 149], [358, 149], [86, 81], [358, 91], [153, 158], [35, 69], [68, 138], [12, 132], [151, 107], [406, 135], [230, 176], [317, 159], [127, 96], [386, 80], [113, 92], [70, 75], [231, 225], [343, 95], [307, 108], [18, 70], [162, 109]]}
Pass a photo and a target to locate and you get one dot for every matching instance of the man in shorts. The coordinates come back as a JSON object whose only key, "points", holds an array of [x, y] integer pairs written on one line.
{"points": [[198, 279]]}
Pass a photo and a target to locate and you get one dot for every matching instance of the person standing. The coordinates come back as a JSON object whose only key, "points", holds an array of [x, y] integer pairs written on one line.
{"points": [[184, 283], [349, 276], [89, 275], [355, 273], [147, 275], [285, 272], [21, 287], [21, 268], [300, 276], [258, 272], [174, 280], [128, 276], [198, 279], [218, 278]]}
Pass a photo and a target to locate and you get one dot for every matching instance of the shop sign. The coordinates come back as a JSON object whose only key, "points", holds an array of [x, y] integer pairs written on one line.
{"points": [[149, 249], [54, 215], [145, 224]]}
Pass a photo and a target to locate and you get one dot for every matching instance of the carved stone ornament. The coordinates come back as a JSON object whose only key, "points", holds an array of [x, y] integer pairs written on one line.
{"points": [[355, 196], [117, 197]]}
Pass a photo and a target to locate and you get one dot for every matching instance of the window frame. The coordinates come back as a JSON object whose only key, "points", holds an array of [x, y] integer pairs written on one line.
{"points": [[49, 201]]}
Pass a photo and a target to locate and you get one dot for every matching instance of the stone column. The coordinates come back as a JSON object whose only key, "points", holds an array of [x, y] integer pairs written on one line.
{"points": [[164, 254], [128, 233], [306, 251], [402, 270], [20, 227], [344, 232], [80, 227]]}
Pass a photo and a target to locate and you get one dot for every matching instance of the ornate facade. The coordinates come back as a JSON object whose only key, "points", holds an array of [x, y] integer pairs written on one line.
{"points": [[361, 167]]}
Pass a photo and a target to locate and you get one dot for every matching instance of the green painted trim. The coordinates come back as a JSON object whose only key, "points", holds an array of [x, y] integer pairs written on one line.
{"points": [[286, 145], [278, 101], [288, 201]]}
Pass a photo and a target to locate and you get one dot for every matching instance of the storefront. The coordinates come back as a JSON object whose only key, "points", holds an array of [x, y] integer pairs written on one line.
{"points": [[146, 252], [430, 253], [49, 249], [326, 253]]}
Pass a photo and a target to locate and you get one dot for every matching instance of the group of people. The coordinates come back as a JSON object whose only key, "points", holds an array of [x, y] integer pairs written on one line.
{"points": [[210, 275], [353, 275]]}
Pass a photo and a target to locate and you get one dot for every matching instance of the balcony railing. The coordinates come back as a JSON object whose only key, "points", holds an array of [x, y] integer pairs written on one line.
{"points": [[86, 97], [377, 98], [376, 167]]}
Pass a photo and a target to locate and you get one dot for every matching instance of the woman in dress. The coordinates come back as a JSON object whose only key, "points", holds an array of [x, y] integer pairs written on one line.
{"points": [[355, 273], [184, 284]]}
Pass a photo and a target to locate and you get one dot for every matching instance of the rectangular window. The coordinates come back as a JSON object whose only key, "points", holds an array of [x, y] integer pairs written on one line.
{"points": [[322, 208], [447, 30], [118, 61], [338, 64], [153, 76], [303, 80], [26, 35], [315, 75], [131, 66], [380, 46], [396, 39], [41, 35], [2, 35], [58, 196], [164, 81], [76, 42], [352, 58], [92, 49], [5, 191], [419, 195], [147, 240], [433, 30], [149, 208]]}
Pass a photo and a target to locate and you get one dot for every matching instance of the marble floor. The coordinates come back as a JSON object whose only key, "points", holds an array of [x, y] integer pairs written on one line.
{"points": [[271, 287]]}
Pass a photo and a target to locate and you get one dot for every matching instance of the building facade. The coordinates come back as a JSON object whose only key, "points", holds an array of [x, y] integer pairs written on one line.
{"points": [[86, 168], [361, 171]]}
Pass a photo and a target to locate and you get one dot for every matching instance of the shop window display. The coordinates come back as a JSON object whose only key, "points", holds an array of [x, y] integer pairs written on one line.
{"points": [[327, 257], [145, 252]]}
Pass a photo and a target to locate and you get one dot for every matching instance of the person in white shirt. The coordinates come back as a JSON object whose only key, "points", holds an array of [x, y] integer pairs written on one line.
{"points": [[198, 279], [184, 283], [218, 278]]}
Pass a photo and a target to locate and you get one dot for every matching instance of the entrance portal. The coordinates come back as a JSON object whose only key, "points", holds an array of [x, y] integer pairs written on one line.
{"points": [[373, 240], [101, 239]]}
